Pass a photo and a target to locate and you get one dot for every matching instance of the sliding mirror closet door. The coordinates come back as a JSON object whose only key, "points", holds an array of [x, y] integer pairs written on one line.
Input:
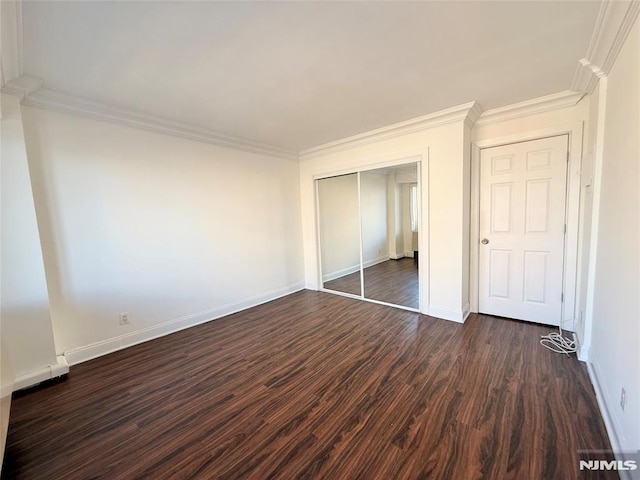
{"points": [[339, 227], [389, 215]]}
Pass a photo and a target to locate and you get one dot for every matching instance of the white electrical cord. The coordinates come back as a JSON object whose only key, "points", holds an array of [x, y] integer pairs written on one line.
{"points": [[557, 342]]}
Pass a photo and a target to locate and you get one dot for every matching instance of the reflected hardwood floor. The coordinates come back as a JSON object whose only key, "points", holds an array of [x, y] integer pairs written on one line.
{"points": [[315, 385], [393, 281]]}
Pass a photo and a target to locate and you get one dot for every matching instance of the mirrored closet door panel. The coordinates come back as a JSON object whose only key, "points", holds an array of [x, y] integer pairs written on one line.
{"points": [[368, 229], [339, 222], [389, 215]]}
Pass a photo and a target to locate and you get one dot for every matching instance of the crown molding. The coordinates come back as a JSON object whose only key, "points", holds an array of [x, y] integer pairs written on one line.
{"points": [[46, 99], [22, 86], [530, 107], [613, 24], [459, 113], [473, 115]]}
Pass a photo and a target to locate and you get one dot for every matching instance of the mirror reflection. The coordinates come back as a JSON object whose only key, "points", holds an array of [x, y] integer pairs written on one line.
{"points": [[339, 217], [368, 229], [389, 202]]}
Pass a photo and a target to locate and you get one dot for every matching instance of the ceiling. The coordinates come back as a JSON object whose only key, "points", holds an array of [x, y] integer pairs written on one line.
{"points": [[295, 75]]}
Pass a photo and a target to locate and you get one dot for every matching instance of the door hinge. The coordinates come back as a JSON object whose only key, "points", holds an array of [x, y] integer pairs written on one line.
{"points": [[567, 157], [565, 228], [562, 298]]}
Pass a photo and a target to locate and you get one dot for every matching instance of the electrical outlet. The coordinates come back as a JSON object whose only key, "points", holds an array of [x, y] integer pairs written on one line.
{"points": [[124, 318], [623, 398]]}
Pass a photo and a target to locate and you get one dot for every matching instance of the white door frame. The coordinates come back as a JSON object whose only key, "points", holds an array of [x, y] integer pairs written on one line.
{"points": [[572, 213]]}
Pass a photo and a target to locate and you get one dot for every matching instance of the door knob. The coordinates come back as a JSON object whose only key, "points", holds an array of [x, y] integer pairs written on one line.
{"points": [[485, 241]]}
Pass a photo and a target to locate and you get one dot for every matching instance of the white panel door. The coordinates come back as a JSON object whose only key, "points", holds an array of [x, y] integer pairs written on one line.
{"points": [[522, 217]]}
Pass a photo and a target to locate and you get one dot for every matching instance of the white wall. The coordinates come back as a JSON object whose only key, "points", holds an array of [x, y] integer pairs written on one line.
{"points": [[25, 323], [373, 201], [615, 339], [340, 225], [172, 231], [442, 180]]}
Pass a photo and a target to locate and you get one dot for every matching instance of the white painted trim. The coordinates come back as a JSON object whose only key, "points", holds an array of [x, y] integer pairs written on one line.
{"points": [[319, 278], [381, 162], [33, 378], [466, 311], [422, 179], [613, 24], [52, 100], [583, 351], [375, 261], [398, 257], [23, 86], [424, 234], [360, 238], [393, 305], [353, 269], [587, 324], [455, 114], [340, 273], [554, 101], [609, 422], [88, 352], [446, 313], [474, 230], [570, 269], [370, 300]]}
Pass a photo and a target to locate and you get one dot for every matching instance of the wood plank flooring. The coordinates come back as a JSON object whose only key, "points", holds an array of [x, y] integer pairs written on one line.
{"points": [[315, 385], [393, 281]]}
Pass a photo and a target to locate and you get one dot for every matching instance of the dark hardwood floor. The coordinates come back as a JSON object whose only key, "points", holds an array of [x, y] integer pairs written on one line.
{"points": [[315, 385], [393, 281]]}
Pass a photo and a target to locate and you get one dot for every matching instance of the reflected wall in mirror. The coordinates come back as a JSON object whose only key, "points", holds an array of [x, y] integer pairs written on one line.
{"points": [[371, 216], [389, 212], [339, 217]]}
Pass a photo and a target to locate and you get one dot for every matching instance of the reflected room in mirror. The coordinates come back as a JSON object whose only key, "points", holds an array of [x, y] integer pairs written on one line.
{"points": [[338, 209], [368, 229]]}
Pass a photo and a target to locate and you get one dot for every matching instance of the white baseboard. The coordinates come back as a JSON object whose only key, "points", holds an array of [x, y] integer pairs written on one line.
{"points": [[33, 378], [616, 438], [446, 313], [88, 352], [375, 261], [340, 273], [353, 269], [466, 311], [582, 349], [397, 257]]}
